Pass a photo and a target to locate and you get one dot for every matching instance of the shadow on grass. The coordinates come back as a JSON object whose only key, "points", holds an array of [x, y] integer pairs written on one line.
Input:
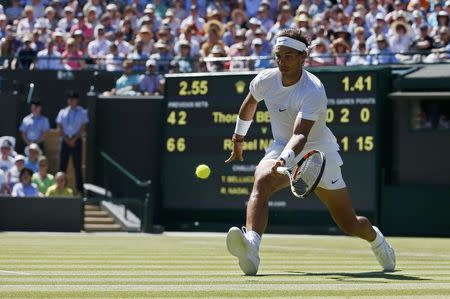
{"points": [[342, 276]]}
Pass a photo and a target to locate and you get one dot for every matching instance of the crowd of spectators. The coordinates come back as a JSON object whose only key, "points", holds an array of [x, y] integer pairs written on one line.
{"points": [[208, 35], [27, 175]]}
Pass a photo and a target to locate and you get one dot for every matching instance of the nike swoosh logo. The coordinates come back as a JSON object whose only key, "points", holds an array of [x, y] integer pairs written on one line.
{"points": [[334, 181], [281, 110]]}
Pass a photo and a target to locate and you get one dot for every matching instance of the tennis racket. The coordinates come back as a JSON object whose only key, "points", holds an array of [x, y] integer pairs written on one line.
{"points": [[306, 174]]}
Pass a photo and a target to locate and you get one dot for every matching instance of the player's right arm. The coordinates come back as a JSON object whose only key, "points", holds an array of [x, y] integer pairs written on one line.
{"points": [[246, 113]]}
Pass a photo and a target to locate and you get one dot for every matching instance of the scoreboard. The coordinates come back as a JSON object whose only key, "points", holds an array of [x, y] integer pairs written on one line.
{"points": [[200, 120]]}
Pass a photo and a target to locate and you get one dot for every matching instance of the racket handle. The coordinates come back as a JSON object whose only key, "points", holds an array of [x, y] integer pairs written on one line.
{"points": [[282, 170]]}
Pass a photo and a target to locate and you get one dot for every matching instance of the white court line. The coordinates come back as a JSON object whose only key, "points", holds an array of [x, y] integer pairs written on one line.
{"points": [[14, 272]]}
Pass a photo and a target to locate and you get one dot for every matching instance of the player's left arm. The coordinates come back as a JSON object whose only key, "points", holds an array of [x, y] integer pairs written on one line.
{"points": [[301, 130]]}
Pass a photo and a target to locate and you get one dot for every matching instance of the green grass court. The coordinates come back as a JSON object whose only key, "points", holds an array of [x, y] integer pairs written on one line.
{"points": [[181, 265]]}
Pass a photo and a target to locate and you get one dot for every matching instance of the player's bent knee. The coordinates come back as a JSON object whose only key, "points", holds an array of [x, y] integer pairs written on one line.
{"points": [[349, 228]]}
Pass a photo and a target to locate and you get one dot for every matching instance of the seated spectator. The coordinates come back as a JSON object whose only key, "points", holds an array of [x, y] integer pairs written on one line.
{"points": [[257, 63], [341, 50], [3, 184], [6, 161], [138, 56], [163, 57], [185, 60], [123, 47], [152, 83], [216, 65], [13, 174], [382, 54], [441, 47], [59, 189], [401, 40], [33, 153], [14, 11], [113, 60], [360, 57], [214, 30], [34, 125], [190, 34], [99, 47], [73, 57], [49, 58], [424, 42], [26, 55], [320, 54], [25, 187], [128, 83], [238, 64], [42, 178]]}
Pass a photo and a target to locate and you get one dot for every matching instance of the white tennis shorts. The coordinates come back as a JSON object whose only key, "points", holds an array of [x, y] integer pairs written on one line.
{"points": [[332, 176]]}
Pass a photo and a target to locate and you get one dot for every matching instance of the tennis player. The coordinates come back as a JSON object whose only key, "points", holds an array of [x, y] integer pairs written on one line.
{"points": [[297, 105]]}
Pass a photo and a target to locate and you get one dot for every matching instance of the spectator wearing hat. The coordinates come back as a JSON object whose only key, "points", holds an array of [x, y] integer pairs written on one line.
{"points": [[60, 42], [6, 160], [193, 19], [26, 56], [24, 187], [172, 21], [138, 56], [93, 5], [66, 23], [220, 8], [106, 21], [214, 31], [13, 174], [371, 42], [72, 56], [441, 47], [80, 42], [34, 125], [216, 65], [146, 36], [32, 152], [401, 38], [14, 11], [431, 17], [186, 61], [442, 20], [340, 50], [91, 17], [382, 54], [152, 83], [60, 188], [50, 18], [26, 24], [239, 37], [42, 178], [71, 122], [99, 47], [258, 63], [85, 28], [253, 24], [163, 56], [150, 19], [113, 12]]}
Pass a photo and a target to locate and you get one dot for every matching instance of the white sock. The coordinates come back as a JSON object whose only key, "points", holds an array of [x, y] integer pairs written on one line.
{"points": [[378, 239], [254, 238]]}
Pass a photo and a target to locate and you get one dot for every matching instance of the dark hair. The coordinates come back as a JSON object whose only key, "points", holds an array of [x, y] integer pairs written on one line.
{"points": [[295, 34], [24, 170], [72, 94]]}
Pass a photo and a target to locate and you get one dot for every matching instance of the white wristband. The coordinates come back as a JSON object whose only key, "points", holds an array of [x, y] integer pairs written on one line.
{"points": [[288, 156], [242, 126]]}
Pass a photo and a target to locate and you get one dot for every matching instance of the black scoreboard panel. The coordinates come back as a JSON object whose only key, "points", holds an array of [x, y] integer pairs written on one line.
{"points": [[201, 116]]}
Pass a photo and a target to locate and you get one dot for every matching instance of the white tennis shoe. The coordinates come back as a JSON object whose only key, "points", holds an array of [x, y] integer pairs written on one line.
{"points": [[384, 253], [247, 253]]}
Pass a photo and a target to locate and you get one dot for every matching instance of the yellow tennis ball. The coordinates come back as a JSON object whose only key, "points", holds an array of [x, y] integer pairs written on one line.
{"points": [[202, 171]]}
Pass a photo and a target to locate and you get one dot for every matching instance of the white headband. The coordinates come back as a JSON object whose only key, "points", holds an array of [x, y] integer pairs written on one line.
{"points": [[291, 43]]}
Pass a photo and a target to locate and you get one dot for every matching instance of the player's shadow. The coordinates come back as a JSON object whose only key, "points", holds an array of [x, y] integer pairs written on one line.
{"points": [[343, 276]]}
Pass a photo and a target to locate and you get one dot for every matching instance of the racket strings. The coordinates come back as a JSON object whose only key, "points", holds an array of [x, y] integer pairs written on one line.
{"points": [[308, 173]]}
